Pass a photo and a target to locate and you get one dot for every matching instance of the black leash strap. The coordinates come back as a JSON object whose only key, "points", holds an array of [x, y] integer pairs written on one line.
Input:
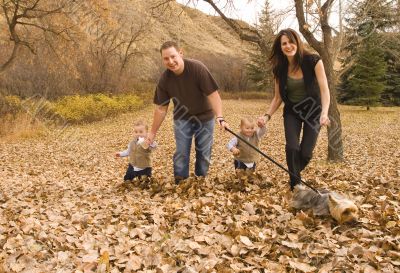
{"points": [[270, 159]]}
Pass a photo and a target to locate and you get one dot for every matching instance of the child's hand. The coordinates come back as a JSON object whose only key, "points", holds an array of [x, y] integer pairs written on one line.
{"points": [[117, 155], [142, 142], [235, 151], [261, 122], [150, 138]]}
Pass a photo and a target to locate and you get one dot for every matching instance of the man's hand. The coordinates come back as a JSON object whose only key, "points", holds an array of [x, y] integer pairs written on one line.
{"points": [[235, 151], [222, 123], [117, 155], [150, 138]]}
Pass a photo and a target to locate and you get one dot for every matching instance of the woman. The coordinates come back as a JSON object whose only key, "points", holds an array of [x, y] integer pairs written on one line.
{"points": [[300, 82]]}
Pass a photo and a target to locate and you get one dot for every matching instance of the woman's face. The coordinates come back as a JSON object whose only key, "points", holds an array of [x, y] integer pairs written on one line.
{"points": [[288, 48]]}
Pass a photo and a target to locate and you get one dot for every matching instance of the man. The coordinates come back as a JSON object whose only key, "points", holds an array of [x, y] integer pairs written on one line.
{"points": [[194, 93]]}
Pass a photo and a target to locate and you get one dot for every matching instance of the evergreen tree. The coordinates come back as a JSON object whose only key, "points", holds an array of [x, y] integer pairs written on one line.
{"points": [[259, 69], [367, 80], [391, 94]]}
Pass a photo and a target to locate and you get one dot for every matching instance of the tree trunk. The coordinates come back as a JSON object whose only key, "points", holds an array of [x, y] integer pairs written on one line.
{"points": [[335, 143], [4, 66], [325, 50]]}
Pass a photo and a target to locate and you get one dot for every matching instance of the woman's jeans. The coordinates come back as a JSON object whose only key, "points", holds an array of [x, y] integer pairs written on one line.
{"points": [[185, 130], [299, 153]]}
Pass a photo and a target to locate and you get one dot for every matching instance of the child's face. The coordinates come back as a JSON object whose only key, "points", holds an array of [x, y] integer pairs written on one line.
{"points": [[248, 128], [139, 131]]}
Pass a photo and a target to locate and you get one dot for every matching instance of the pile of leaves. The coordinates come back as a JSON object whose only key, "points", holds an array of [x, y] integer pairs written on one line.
{"points": [[64, 207]]}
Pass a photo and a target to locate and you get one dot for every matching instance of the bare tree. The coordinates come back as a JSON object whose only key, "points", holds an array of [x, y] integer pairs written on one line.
{"points": [[326, 49], [23, 18], [109, 54], [128, 45]]}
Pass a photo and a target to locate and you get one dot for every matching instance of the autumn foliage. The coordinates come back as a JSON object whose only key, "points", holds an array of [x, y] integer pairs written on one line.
{"points": [[64, 207]]}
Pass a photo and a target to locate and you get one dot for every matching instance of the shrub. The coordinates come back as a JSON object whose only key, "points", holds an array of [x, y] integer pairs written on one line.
{"points": [[10, 105], [77, 109]]}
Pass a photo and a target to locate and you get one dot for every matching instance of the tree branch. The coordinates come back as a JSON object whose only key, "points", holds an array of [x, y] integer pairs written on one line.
{"points": [[11, 58], [246, 34], [32, 13], [27, 9], [326, 28], [45, 29], [304, 28]]}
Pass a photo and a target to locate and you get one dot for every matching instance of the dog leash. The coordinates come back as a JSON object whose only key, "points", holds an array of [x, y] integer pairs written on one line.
{"points": [[271, 159]]}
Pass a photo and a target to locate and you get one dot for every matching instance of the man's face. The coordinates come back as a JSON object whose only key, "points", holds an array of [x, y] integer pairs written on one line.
{"points": [[173, 60]]}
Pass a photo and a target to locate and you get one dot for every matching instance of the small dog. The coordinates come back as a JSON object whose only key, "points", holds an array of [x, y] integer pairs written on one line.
{"points": [[339, 207]]}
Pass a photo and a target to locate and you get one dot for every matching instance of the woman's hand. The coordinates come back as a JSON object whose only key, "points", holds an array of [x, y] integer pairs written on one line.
{"points": [[324, 120], [261, 121]]}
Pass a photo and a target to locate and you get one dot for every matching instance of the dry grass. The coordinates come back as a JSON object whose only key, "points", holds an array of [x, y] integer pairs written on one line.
{"points": [[247, 95], [20, 126], [35, 117]]}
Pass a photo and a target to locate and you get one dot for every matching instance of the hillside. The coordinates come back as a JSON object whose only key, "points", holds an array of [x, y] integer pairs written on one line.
{"points": [[113, 46], [201, 36]]}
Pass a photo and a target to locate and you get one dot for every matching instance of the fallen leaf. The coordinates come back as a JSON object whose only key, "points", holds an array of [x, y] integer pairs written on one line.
{"points": [[302, 266]]}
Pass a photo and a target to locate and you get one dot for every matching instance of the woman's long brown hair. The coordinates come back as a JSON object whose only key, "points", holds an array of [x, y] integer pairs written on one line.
{"points": [[278, 60]]}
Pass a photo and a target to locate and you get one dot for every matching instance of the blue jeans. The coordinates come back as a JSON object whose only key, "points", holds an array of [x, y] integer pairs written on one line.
{"points": [[185, 130]]}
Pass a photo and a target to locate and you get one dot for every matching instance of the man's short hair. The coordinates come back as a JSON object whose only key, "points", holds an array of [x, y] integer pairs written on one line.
{"points": [[169, 44]]}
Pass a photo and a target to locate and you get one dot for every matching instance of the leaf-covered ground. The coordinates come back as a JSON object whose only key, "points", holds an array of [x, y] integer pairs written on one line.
{"points": [[63, 208]]}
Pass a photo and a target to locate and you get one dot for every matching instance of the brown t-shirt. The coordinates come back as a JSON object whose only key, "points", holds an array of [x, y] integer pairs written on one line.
{"points": [[188, 91]]}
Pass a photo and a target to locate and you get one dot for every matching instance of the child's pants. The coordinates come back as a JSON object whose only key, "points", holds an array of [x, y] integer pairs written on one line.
{"points": [[131, 173], [241, 166]]}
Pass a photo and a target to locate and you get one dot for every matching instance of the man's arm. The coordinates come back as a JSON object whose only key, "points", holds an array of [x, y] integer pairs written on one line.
{"points": [[216, 105], [159, 115]]}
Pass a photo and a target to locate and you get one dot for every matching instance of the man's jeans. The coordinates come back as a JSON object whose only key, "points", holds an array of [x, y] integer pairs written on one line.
{"points": [[203, 138]]}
